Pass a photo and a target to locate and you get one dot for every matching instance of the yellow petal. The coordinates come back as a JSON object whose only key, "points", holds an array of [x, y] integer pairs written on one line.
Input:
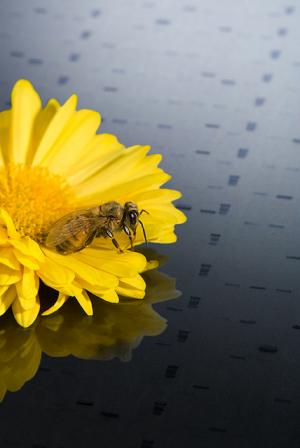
{"points": [[110, 296], [8, 222], [1, 157], [122, 265], [26, 104], [85, 302], [61, 300], [164, 213], [73, 141], [117, 171], [3, 289], [70, 290], [26, 260], [101, 150], [135, 282], [94, 289], [122, 192], [84, 271], [55, 128], [6, 299], [42, 121], [54, 274], [29, 247], [27, 288], [166, 237], [158, 196], [5, 119], [25, 317], [9, 276], [157, 234], [132, 287], [8, 258], [126, 291], [147, 165]]}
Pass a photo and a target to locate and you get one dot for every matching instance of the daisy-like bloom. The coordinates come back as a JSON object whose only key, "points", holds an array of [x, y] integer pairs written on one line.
{"points": [[113, 331], [52, 162]]}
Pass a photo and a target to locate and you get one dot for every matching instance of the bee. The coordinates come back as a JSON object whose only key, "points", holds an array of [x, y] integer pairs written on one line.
{"points": [[76, 230]]}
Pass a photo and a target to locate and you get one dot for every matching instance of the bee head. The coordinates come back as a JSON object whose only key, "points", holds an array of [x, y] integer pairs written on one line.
{"points": [[131, 215], [132, 218]]}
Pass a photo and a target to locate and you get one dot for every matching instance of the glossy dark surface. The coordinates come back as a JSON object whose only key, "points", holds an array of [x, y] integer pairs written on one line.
{"points": [[214, 86]]}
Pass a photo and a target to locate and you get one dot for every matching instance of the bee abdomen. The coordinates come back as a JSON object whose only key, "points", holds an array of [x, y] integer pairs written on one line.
{"points": [[66, 248]]}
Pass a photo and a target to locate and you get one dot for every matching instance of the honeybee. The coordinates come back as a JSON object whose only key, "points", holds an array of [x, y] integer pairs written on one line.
{"points": [[76, 230]]}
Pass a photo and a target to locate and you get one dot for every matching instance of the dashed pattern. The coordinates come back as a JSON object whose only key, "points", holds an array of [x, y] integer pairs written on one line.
{"points": [[214, 87]]}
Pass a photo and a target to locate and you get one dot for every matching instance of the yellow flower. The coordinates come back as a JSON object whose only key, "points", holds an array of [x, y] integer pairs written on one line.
{"points": [[113, 331], [52, 162]]}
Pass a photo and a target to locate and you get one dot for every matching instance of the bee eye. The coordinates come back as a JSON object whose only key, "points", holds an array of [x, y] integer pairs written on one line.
{"points": [[132, 217]]}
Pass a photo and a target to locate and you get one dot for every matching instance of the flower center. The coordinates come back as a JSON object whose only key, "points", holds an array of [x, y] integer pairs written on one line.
{"points": [[34, 198]]}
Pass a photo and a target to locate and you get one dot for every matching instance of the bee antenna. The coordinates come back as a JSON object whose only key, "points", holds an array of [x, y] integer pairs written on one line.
{"points": [[144, 232]]}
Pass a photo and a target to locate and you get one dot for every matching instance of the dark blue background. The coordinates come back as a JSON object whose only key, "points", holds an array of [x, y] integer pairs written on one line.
{"points": [[214, 86]]}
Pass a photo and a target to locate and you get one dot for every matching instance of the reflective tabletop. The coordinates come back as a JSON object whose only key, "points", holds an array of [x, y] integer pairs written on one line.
{"points": [[211, 357]]}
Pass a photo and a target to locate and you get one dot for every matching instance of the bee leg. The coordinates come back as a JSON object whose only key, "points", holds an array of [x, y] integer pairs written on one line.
{"points": [[116, 244], [144, 233], [114, 241], [144, 211], [90, 239], [134, 234], [127, 231], [131, 242]]}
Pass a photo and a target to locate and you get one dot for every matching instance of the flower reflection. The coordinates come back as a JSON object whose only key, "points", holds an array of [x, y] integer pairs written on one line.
{"points": [[113, 331], [20, 355]]}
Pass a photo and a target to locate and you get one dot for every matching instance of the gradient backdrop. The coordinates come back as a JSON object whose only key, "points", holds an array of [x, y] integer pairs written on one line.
{"points": [[215, 87]]}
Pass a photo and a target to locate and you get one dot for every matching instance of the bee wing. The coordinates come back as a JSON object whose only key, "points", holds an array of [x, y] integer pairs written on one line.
{"points": [[71, 225]]}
